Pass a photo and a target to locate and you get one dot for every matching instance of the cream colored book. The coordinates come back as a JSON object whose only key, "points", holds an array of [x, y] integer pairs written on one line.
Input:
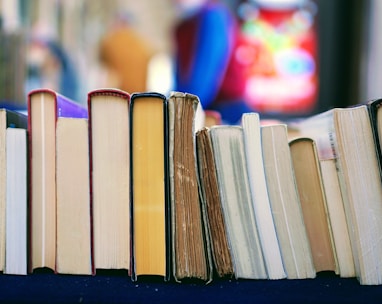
{"points": [[320, 128], [73, 213], [285, 203], [236, 200], [360, 179], [44, 107], [346, 136], [260, 198], [7, 119], [16, 202], [110, 177]]}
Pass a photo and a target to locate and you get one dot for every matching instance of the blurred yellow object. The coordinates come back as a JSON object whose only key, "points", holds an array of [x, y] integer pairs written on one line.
{"points": [[126, 57]]}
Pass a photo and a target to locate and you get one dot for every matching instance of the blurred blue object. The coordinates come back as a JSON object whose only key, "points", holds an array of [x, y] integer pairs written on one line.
{"points": [[49, 66]]}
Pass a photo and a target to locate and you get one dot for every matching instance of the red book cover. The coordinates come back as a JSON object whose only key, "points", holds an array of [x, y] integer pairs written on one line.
{"points": [[106, 227]]}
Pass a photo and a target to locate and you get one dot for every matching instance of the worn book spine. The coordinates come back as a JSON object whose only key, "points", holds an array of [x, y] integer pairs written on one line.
{"points": [[214, 224], [190, 256]]}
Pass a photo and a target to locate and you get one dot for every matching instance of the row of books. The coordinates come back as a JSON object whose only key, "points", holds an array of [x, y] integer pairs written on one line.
{"points": [[139, 182]]}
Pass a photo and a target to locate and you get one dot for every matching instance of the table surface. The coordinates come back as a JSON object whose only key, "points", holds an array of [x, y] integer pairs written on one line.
{"points": [[118, 288]]}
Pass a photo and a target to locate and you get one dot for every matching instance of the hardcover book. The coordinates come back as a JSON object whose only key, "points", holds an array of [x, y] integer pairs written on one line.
{"points": [[190, 249], [44, 107], [73, 213], [150, 215], [313, 202], [110, 177], [313, 127]]}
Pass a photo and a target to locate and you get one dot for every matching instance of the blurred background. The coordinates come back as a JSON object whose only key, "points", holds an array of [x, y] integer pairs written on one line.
{"points": [[300, 56]]}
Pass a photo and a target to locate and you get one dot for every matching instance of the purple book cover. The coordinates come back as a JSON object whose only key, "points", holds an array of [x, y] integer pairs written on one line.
{"points": [[63, 107], [68, 108]]}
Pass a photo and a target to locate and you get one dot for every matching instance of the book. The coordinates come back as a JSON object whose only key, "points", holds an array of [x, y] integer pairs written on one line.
{"points": [[14, 119], [73, 212], [149, 184], [110, 177], [347, 134], [359, 175], [211, 202], [231, 169], [190, 254], [313, 202], [16, 202], [337, 217], [260, 198], [312, 127], [285, 203], [44, 107]]}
